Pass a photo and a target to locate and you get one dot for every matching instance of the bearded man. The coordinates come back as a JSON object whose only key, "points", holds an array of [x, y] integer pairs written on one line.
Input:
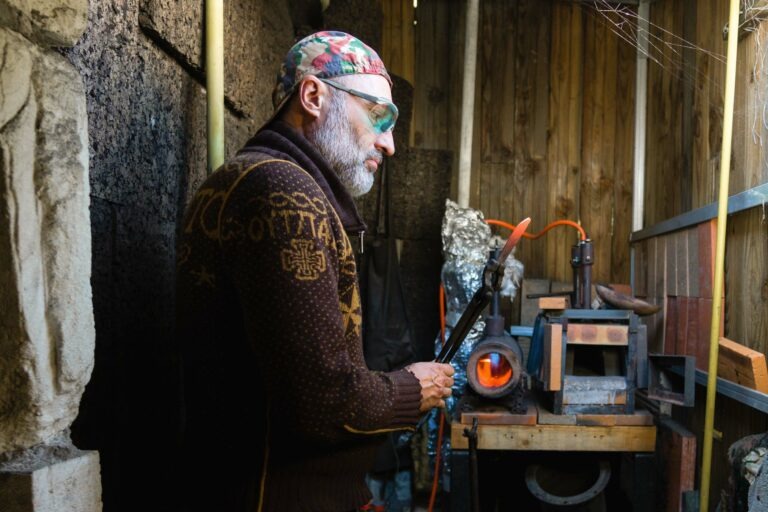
{"points": [[282, 412]]}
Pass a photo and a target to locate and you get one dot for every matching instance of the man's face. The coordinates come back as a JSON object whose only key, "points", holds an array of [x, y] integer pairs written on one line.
{"points": [[346, 137]]}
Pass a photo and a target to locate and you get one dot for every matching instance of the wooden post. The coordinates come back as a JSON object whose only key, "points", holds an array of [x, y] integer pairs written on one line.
{"points": [[468, 102]]}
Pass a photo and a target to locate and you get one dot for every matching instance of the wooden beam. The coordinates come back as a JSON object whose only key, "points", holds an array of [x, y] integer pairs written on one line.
{"points": [[497, 415], [742, 365], [552, 368], [559, 438], [556, 303], [640, 417], [678, 461]]}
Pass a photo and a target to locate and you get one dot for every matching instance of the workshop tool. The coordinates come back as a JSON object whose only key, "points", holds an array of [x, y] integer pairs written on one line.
{"points": [[471, 435], [495, 368], [589, 360], [492, 277], [582, 259]]}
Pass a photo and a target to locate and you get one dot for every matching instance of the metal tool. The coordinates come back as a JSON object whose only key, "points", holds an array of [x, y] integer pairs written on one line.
{"points": [[474, 495], [492, 277]]}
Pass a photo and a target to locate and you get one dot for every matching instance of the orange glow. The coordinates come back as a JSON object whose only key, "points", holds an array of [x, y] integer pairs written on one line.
{"points": [[493, 370]]}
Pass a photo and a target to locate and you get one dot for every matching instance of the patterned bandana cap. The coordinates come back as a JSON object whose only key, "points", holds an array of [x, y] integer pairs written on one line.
{"points": [[325, 55]]}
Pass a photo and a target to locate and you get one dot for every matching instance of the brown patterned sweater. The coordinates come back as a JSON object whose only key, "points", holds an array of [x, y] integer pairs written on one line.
{"points": [[282, 412]]}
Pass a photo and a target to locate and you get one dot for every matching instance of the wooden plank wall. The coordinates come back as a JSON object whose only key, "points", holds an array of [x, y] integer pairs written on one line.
{"points": [[746, 286], [439, 53], [397, 37], [667, 184], [746, 266], [664, 155], [510, 163], [553, 121]]}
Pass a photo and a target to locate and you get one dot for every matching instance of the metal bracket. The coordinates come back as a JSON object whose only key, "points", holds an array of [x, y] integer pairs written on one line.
{"points": [[672, 379]]}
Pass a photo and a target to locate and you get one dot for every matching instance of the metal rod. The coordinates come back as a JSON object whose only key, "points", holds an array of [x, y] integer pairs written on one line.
{"points": [[214, 81], [747, 396], [722, 219], [468, 102], [641, 101], [587, 260], [474, 494], [575, 264], [750, 198]]}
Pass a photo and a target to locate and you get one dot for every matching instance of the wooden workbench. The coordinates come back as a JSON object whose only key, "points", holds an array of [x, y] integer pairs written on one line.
{"points": [[577, 433], [540, 430]]}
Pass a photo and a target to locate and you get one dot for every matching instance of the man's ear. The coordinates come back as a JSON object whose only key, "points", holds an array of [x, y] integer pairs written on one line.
{"points": [[312, 96]]}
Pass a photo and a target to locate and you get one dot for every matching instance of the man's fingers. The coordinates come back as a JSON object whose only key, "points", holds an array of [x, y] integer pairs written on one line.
{"points": [[436, 380], [442, 381], [447, 369]]}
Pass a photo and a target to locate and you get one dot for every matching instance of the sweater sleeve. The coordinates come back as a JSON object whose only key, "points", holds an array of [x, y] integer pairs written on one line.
{"points": [[287, 256]]}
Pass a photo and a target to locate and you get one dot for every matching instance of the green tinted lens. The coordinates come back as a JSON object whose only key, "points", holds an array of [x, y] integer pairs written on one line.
{"points": [[384, 113], [383, 117]]}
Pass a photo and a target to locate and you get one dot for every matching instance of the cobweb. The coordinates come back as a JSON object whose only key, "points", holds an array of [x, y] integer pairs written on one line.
{"points": [[665, 50]]}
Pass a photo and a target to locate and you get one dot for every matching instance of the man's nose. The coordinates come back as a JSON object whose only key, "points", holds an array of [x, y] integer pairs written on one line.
{"points": [[385, 143]]}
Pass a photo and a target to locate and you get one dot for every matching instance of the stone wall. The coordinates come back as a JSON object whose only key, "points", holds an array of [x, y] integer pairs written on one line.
{"points": [[142, 64], [46, 320]]}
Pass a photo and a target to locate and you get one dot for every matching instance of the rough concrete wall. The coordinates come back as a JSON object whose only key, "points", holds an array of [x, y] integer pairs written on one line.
{"points": [[146, 115], [255, 38], [361, 18]]}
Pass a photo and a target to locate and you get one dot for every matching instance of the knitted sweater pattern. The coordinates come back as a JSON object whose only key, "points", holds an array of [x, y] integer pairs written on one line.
{"points": [[267, 289]]}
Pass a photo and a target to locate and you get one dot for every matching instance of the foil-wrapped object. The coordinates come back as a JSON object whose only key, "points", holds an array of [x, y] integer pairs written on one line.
{"points": [[753, 461], [467, 245]]}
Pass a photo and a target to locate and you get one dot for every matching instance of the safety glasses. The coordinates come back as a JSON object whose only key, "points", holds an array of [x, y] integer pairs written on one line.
{"points": [[383, 114]]}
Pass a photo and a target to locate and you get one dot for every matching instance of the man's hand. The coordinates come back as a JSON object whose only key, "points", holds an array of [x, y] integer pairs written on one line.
{"points": [[436, 380]]}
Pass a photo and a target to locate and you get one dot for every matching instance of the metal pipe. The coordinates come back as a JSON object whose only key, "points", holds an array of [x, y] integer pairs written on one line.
{"points": [[587, 260], [474, 494], [641, 100], [468, 101], [722, 218], [214, 81], [576, 267]]}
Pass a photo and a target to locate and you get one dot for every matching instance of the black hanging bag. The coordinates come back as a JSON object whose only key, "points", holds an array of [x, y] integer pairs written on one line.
{"points": [[387, 334]]}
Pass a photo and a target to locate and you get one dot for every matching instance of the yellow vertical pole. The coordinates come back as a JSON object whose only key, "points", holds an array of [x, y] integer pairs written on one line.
{"points": [[214, 81], [722, 217]]}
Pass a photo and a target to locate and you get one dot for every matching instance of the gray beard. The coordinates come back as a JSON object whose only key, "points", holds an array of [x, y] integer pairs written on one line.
{"points": [[337, 142]]}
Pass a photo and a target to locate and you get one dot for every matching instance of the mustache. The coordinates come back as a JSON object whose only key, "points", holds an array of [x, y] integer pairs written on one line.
{"points": [[375, 155]]}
